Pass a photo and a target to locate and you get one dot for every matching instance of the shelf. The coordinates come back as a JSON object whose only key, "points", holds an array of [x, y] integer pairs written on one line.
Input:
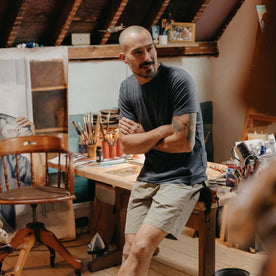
{"points": [[262, 117], [254, 121], [49, 130], [172, 49], [49, 88]]}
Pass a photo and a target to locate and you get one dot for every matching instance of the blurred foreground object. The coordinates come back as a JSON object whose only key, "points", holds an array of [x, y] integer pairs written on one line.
{"points": [[260, 87], [253, 212]]}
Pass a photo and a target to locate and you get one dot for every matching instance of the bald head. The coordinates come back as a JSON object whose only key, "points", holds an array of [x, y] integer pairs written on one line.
{"points": [[130, 33], [138, 51]]}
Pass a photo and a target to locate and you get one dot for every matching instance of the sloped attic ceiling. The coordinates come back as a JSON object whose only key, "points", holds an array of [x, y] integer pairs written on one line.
{"points": [[51, 22]]}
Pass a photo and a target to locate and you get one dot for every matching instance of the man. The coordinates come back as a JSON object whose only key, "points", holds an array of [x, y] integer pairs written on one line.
{"points": [[159, 116]]}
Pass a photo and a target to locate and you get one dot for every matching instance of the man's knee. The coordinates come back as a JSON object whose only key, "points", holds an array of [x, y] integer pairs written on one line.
{"points": [[126, 251], [127, 246], [142, 248]]}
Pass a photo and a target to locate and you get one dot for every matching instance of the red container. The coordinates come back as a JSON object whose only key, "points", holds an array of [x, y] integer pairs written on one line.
{"points": [[105, 148], [119, 149], [112, 151]]}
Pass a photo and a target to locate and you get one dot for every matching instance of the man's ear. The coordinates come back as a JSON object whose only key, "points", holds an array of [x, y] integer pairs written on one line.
{"points": [[122, 57]]}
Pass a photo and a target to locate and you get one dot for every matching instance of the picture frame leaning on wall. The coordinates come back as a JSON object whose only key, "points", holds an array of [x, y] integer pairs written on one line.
{"points": [[181, 32]]}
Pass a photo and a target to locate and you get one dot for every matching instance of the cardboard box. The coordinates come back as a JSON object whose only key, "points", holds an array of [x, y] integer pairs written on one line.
{"points": [[80, 38]]}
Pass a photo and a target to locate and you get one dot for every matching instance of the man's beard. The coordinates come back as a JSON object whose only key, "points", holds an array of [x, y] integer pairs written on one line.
{"points": [[149, 72]]}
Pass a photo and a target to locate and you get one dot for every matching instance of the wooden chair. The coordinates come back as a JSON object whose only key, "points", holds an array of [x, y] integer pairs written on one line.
{"points": [[17, 193]]}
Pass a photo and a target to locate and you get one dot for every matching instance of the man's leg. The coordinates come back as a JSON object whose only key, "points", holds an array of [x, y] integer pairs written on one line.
{"points": [[129, 238], [142, 248]]}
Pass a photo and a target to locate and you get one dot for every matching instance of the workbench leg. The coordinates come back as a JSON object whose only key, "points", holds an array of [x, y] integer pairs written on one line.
{"points": [[207, 238], [115, 257]]}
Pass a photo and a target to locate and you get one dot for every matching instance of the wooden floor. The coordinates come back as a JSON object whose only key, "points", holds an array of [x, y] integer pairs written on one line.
{"points": [[176, 258]]}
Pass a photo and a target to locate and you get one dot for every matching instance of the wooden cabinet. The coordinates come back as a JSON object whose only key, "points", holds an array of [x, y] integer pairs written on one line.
{"points": [[49, 96]]}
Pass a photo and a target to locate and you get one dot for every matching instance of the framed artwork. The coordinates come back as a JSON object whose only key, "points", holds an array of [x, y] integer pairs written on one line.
{"points": [[182, 32]]}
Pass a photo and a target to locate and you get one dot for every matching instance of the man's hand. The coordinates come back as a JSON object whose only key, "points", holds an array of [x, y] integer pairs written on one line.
{"points": [[22, 121], [128, 126]]}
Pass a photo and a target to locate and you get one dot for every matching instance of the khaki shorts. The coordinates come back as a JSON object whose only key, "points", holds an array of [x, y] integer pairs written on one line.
{"points": [[166, 206]]}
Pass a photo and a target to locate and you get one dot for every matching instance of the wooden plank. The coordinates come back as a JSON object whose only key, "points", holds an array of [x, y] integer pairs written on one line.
{"points": [[113, 50], [200, 11], [47, 74], [49, 130], [17, 22], [114, 21], [93, 52], [65, 20], [160, 12], [49, 88], [229, 19], [206, 240], [262, 117], [201, 48]]}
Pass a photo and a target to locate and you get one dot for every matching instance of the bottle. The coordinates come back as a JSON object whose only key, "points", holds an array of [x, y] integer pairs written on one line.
{"points": [[99, 154], [230, 178], [82, 147]]}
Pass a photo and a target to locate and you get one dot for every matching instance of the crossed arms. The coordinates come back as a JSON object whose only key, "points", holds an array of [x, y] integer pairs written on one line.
{"points": [[179, 136]]}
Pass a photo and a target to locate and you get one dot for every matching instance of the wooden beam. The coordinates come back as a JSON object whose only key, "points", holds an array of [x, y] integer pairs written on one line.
{"points": [[198, 48], [17, 22], [93, 52], [114, 21], [228, 19], [263, 117], [160, 12], [112, 51], [200, 11], [65, 20]]}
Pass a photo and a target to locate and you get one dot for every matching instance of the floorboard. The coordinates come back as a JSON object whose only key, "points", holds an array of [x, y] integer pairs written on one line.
{"points": [[177, 258]]}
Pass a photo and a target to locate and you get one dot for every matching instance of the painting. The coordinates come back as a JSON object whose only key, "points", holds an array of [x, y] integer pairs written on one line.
{"points": [[182, 32]]}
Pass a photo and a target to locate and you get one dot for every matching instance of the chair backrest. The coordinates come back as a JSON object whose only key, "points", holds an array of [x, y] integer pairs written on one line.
{"points": [[13, 150]]}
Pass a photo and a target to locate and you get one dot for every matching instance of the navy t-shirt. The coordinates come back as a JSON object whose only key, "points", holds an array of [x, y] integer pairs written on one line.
{"points": [[170, 93]]}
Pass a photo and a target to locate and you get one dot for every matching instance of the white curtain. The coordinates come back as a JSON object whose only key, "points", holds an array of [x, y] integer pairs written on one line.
{"points": [[15, 91]]}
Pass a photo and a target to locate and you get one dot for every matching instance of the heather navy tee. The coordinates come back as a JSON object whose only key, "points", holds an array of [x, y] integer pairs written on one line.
{"points": [[170, 93]]}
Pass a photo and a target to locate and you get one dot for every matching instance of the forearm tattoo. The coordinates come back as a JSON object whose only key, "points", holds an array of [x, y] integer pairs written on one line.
{"points": [[191, 128], [179, 125]]}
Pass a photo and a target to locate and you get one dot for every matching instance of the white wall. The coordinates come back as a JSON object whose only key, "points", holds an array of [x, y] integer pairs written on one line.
{"points": [[229, 70], [200, 70], [94, 85]]}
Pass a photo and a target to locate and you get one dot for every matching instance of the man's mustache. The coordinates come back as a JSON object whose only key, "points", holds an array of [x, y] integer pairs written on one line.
{"points": [[146, 64]]}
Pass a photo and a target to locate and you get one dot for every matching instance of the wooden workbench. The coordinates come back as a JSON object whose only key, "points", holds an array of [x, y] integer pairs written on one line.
{"points": [[120, 178]]}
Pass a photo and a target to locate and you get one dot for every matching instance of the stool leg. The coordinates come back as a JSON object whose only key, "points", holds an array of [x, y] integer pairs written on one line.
{"points": [[27, 246], [49, 239], [207, 237]]}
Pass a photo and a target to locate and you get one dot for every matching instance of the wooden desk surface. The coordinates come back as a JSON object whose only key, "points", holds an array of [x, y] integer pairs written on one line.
{"points": [[124, 175], [110, 174]]}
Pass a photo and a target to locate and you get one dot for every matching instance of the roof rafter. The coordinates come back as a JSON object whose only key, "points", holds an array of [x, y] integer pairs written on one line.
{"points": [[228, 19], [160, 12], [201, 10], [65, 20], [114, 21], [17, 20]]}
